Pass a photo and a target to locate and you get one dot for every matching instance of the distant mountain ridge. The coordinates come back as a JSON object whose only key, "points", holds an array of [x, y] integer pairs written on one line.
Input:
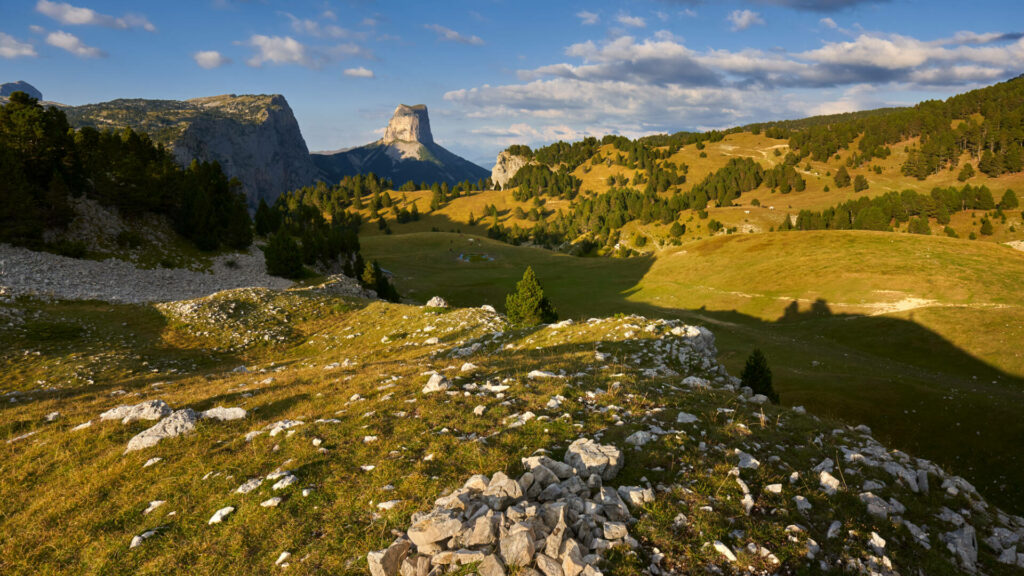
{"points": [[406, 152], [9, 88], [255, 138]]}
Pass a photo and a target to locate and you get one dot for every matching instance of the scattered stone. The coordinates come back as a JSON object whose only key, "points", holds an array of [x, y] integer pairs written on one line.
{"points": [[685, 418], [138, 540], [221, 514], [152, 461], [829, 483], [149, 410], [437, 302], [437, 383], [282, 559], [725, 551], [178, 423], [223, 414]]}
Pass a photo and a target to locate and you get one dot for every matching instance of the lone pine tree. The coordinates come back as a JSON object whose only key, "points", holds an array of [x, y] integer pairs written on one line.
{"points": [[527, 305], [758, 376]]}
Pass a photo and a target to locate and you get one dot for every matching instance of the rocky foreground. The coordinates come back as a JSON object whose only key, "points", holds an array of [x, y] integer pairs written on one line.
{"points": [[255, 431]]}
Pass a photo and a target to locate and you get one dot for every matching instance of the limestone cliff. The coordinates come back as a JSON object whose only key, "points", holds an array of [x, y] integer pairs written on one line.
{"points": [[506, 167], [255, 138], [406, 152]]}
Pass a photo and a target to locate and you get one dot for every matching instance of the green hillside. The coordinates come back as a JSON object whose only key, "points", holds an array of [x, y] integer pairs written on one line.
{"points": [[909, 334]]}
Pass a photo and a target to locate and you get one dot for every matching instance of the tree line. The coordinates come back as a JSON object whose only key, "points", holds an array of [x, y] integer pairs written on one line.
{"points": [[44, 163], [907, 207]]}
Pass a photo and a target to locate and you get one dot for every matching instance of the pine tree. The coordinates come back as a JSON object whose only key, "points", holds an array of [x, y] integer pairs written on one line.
{"points": [[1009, 200], [527, 305], [283, 256], [757, 376], [842, 177], [986, 227], [860, 183], [966, 173]]}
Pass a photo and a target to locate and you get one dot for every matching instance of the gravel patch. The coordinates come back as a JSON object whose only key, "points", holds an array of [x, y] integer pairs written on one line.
{"points": [[25, 272]]}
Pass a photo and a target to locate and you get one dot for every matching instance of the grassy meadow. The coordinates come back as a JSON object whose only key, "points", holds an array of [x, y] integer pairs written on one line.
{"points": [[918, 337]]}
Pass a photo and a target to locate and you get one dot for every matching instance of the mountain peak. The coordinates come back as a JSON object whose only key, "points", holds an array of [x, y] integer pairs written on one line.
{"points": [[20, 86], [409, 124]]}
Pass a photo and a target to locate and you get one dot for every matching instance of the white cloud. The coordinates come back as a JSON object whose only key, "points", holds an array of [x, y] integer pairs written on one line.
{"points": [[11, 48], [317, 30], [277, 50], [631, 21], [210, 59], [77, 16], [73, 44], [829, 23], [743, 19], [453, 36], [634, 86], [359, 72], [588, 18]]}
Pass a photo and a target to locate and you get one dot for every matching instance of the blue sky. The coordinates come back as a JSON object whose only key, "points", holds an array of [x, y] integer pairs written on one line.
{"points": [[497, 72]]}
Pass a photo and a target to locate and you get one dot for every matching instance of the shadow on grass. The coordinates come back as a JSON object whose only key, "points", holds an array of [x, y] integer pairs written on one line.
{"points": [[918, 391]]}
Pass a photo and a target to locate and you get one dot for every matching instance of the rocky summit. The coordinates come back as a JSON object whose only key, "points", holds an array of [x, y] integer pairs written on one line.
{"points": [[406, 152]]}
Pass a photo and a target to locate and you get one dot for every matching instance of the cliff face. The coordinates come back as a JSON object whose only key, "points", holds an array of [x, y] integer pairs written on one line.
{"points": [[506, 167], [269, 156], [255, 138], [409, 124], [406, 152]]}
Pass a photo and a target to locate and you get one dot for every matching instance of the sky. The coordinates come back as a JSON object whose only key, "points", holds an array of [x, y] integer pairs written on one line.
{"points": [[496, 72]]}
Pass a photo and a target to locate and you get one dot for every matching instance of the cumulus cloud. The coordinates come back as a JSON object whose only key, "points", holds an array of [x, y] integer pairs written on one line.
{"points": [[359, 72], [73, 44], [453, 36], [631, 21], [78, 16], [820, 5], [743, 19], [11, 48], [318, 30], [829, 23], [210, 59], [588, 18], [627, 85], [277, 50]]}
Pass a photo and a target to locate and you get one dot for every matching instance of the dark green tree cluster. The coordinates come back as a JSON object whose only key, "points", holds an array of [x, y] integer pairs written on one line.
{"points": [[986, 124], [534, 181], [882, 212], [727, 183], [785, 179], [43, 163], [527, 305]]}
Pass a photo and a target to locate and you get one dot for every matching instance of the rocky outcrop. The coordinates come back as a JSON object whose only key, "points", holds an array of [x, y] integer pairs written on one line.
{"points": [[268, 155], [9, 88], [406, 152], [409, 124], [506, 167], [557, 516], [255, 138]]}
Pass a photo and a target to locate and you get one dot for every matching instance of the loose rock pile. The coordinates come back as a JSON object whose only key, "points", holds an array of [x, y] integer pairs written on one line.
{"points": [[556, 520]]}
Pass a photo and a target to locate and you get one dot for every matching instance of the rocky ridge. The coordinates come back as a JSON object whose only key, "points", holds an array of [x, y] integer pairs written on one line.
{"points": [[255, 138], [506, 167]]}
